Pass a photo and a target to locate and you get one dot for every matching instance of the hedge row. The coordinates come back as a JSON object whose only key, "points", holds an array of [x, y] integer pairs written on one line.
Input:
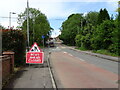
{"points": [[14, 40]]}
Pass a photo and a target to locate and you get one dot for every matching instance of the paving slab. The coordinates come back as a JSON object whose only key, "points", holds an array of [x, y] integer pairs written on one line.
{"points": [[33, 76]]}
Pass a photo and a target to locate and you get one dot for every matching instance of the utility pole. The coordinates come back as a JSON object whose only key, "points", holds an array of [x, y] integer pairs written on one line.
{"points": [[119, 8], [33, 30], [28, 24]]}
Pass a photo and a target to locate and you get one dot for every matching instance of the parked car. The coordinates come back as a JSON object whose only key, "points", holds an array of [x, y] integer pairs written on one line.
{"points": [[50, 43]]}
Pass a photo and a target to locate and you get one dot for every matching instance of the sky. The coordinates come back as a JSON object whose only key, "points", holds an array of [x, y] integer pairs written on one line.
{"points": [[56, 11]]}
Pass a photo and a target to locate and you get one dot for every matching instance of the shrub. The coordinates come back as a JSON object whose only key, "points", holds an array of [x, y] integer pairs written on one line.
{"points": [[15, 41], [78, 40]]}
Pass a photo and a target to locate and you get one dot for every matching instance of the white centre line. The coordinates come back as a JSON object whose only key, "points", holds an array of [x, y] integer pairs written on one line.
{"points": [[80, 59], [70, 54], [64, 52]]}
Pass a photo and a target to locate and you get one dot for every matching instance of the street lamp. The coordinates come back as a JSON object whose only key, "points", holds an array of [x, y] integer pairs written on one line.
{"points": [[10, 18]]}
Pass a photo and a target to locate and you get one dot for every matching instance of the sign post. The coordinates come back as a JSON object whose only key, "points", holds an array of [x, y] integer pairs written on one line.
{"points": [[35, 55], [43, 64], [43, 41]]}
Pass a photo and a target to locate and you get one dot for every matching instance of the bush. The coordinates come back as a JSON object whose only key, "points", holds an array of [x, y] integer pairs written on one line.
{"points": [[78, 40], [15, 41], [105, 52]]}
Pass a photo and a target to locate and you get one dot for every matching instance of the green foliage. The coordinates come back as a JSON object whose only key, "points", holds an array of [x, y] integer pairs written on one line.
{"points": [[103, 15], [115, 46], [92, 18], [70, 28], [38, 25], [106, 52], [15, 41], [95, 31], [2, 27], [118, 9], [82, 48], [102, 36], [84, 39], [78, 40]]}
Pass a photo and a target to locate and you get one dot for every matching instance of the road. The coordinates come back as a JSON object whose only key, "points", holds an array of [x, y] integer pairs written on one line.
{"points": [[70, 69], [73, 69]]}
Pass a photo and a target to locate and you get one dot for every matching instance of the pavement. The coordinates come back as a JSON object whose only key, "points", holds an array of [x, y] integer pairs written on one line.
{"points": [[32, 76]]}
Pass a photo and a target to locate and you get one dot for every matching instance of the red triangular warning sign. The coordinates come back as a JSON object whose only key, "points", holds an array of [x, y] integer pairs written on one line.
{"points": [[35, 48]]}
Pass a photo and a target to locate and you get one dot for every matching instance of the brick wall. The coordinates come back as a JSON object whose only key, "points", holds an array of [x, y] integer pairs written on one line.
{"points": [[7, 64], [0, 73], [6, 67]]}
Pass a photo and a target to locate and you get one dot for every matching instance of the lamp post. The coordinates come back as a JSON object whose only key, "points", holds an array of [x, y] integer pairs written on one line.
{"points": [[10, 18]]}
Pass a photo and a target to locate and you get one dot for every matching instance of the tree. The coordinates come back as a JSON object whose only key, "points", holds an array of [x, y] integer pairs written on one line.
{"points": [[103, 15], [2, 27], [88, 24], [70, 28], [114, 47], [38, 25], [92, 18], [102, 36]]}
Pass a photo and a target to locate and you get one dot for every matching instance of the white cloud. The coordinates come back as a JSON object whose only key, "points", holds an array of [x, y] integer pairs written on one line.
{"points": [[51, 8], [55, 33], [113, 5], [73, 0]]}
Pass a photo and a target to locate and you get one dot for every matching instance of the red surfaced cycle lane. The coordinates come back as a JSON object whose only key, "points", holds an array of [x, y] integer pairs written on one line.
{"points": [[77, 73]]}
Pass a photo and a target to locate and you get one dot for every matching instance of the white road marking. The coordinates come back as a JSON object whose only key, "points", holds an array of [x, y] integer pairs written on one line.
{"points": [[56, 49], [53, 49], [64, 52], [67, 53], [70, 54], [62, 47], [80, 59]]}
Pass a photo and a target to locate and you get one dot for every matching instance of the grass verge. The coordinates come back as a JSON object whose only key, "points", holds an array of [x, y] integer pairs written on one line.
{"points": [[81, 48], [105, 52]]}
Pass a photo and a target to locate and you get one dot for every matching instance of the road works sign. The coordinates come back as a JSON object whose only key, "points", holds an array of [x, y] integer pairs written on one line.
{"points": [[35, 48], [35, 55]]}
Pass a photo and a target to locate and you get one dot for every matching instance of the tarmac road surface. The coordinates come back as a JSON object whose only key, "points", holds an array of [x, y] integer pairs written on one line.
{"points": [[78, 70]]}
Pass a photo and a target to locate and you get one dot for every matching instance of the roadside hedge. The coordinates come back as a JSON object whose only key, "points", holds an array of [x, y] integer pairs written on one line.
{"points": [[14, 40]]}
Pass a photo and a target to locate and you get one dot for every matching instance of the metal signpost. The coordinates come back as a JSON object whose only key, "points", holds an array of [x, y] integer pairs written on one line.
{"points": [[43, 64], [43, 41]]}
